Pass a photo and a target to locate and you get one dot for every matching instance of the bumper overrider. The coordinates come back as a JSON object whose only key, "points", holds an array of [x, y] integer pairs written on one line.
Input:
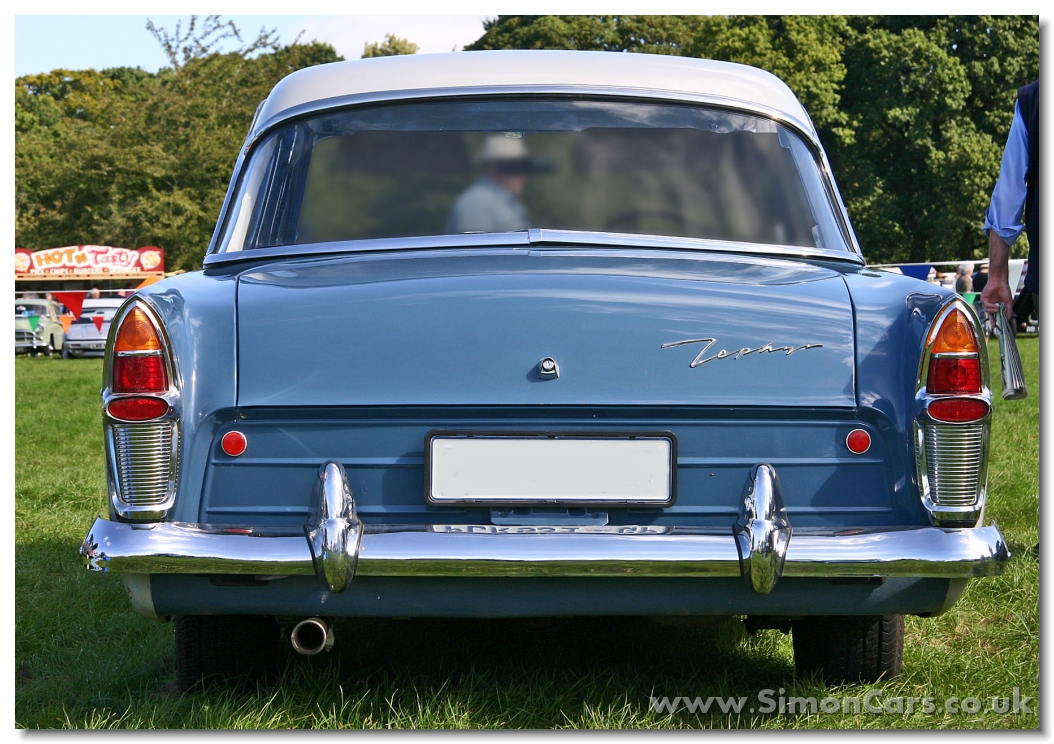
{"points": [[336, 546]]}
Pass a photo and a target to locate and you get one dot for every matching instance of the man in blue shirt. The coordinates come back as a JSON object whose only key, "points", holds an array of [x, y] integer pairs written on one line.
{"points": [[492, 203], [1015, 204]]}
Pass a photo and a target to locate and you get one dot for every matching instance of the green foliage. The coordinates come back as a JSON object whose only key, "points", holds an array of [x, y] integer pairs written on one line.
{"points": [[655, 34], [126, 157], [913, 110], [390, 47]]}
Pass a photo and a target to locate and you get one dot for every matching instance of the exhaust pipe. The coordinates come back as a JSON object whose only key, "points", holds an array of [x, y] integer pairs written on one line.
{"points": [[312, 636]]}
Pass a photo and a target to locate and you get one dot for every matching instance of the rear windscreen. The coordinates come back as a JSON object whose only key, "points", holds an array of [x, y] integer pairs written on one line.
{"points": [[491, 166]]}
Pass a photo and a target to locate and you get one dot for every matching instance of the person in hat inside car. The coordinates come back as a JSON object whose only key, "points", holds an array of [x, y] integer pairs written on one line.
{"points": [[492, 203]]}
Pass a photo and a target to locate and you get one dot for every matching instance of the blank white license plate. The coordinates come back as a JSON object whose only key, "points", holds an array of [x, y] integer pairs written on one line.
{"points": [[537, 470]]}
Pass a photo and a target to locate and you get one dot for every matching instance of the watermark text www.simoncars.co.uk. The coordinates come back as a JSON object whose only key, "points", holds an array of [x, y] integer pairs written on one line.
{"points": [[871, 702]]}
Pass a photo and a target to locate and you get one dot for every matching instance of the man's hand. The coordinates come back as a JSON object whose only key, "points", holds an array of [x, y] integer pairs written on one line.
{"points": [[995, 292]]}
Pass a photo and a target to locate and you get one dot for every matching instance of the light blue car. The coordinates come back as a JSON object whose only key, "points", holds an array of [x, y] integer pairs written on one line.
{"points": [[514, 334]]}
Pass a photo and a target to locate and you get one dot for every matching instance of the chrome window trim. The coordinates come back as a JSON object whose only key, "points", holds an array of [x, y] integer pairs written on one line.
{"points": [[650, 95], [528, 239]]}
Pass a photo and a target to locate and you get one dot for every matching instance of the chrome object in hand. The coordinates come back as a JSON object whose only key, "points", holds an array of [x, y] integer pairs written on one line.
{"points": [[1014, 387]]}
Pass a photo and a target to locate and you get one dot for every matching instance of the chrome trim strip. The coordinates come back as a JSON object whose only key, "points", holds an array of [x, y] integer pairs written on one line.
{"points": [[531, 238], [762, 531], [414, 550]]}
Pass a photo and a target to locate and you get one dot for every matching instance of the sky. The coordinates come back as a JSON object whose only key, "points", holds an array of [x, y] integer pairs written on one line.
{"points": [[46, 42], [77, 42]]}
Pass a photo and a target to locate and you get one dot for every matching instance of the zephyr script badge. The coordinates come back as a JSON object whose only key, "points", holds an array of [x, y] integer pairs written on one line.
{"points": [[768, 348]]}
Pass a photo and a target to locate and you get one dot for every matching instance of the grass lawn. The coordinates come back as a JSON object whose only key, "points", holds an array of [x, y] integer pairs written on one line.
{"points": [[84, 659]]}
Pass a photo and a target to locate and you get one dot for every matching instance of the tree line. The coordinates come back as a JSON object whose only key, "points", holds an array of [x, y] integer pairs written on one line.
{"points": [[913, 111]]}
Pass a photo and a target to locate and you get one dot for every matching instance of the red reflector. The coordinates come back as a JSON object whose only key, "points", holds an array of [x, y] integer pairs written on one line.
{"points": [[858, 441], [139, 374], [954, 376], [137, 409], [233, 443], [958, 409]]}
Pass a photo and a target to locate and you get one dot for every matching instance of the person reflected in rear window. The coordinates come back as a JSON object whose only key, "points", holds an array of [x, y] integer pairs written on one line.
{"points": [[492, 203]]}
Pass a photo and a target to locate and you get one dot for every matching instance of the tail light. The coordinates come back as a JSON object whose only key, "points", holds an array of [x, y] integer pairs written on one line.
{"points": [[139, 363], [951, 428], [142, 427]]}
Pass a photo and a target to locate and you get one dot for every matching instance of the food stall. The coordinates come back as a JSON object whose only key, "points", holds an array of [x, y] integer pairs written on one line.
{"points": [[82, 268]]}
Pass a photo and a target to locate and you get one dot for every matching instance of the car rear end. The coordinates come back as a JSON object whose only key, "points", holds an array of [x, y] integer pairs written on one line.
{"points": [[731, 418], [417, 476]]}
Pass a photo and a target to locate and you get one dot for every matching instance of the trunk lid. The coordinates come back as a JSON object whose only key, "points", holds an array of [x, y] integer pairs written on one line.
{"points": [[471, 327]]}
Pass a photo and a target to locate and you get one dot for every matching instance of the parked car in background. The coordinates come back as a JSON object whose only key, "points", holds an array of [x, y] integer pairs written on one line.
{"points": [[38, 329], [598, 340], [87, 334]]}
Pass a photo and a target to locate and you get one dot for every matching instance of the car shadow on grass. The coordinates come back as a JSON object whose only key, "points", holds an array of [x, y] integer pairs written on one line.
{"points": [[532, 673]]}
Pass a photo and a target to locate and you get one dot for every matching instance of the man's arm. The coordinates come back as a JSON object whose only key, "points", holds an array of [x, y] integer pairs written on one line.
{"points": [[1002, 221], [998, 287]]}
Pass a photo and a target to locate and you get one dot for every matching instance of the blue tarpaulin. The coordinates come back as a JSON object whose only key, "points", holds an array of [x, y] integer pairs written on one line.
{"points": [[917, 272]]}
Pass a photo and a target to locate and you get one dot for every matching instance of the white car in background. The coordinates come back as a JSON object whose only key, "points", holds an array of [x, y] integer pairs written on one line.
{"points": [[87, 336]]}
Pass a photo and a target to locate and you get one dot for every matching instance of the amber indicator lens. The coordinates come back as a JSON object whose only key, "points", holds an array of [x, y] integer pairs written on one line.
{"points": [[958, 410], [954, 376], [137, 409], [233, 443], [956, 334], [858, 441], [137, 333]]}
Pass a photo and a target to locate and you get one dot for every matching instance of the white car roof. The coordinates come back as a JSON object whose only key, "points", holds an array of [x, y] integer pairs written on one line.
{"points": [[734, 84]]}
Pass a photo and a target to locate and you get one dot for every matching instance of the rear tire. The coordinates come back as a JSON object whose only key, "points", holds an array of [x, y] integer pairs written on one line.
{"points": [[849, 648], [234, 650]]}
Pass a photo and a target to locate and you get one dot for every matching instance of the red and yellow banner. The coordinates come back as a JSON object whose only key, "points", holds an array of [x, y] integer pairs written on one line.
{"points": [[88, 260]]}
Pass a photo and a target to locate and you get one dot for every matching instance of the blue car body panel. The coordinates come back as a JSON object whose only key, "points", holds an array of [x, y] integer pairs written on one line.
{"points": [[468, 329], [419, 317]]}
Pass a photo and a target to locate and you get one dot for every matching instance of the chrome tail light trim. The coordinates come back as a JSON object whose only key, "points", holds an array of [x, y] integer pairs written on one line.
{"points": [[951, 458], [952, 463], [145, 459]]}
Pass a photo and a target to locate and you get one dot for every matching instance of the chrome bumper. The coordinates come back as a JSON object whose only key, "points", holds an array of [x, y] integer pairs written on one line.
{"points": [[337, 547], [487, 550]]}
